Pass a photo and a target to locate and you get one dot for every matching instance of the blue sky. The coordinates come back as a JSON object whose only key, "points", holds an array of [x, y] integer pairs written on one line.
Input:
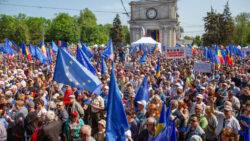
{"points": [[191, 11]]}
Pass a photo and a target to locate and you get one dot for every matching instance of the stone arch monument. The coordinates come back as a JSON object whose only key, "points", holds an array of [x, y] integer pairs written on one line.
{"points": [[155, 18]]}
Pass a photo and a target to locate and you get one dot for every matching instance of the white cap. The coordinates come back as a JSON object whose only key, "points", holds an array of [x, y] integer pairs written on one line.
{"points": [[50, 115], [142, 102], [200, 96], [23, 83]]}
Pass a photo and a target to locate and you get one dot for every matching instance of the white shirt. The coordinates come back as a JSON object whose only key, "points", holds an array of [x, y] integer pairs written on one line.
{"points": [[235, 102], [99, 102], [230, 123]]}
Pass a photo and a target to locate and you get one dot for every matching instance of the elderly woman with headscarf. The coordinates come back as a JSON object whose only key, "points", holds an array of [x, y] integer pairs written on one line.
{"points": [[72, 127]]}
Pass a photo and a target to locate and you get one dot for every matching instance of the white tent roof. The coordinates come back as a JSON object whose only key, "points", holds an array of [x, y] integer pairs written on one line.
{"points": [[145, 40]]}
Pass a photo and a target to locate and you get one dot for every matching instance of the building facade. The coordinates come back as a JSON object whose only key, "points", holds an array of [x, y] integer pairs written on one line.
{"points": [[155, 18]]}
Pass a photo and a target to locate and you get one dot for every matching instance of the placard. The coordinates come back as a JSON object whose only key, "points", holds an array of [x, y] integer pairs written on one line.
{"points": [[202, 67], [188, 52], [175, 53]]}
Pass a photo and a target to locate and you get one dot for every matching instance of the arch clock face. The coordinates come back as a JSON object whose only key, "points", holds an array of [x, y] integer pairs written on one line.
{"points": [[151, 13]]}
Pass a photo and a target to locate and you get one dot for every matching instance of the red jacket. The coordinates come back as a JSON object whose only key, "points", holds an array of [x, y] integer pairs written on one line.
{"points": [[66, 98]]}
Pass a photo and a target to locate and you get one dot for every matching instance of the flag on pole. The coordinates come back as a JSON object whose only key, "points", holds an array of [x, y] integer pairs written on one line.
{"points": [[84, 60], [108, 52], [117, 123], [70, 72], [39, 55], [103, 66], [166, 126], [43, 49], [49, 55], [26, 52], [158, 68], [7, 49], [168, 133], [142, 93], [220, 57], [86, 50], [143, 58], [54, 46]]}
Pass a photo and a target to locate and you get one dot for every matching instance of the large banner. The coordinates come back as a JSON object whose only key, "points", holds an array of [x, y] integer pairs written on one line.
{"points": [[202, 67], [175, 53]]}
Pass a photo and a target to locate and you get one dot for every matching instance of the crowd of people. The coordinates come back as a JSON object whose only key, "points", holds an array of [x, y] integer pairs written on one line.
{"points": [[205, 106]]}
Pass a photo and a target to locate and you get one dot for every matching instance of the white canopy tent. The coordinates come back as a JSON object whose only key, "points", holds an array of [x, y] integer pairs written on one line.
{"points": [[145, 42]]}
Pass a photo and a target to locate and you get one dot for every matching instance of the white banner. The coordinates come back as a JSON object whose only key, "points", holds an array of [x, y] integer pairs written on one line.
{"points": [[202, 67]]}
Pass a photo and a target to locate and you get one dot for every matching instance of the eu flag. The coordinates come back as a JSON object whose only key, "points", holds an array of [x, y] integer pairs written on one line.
{"points": [[86, 50], [108, 51], [49, 56], [116, 119], [103, 67], [8, 47], [84, 60], [168, 133], [142, 92], [39, 55], [32, 50], [143, 58], [158, 68], [70, 72], [54, 46]]}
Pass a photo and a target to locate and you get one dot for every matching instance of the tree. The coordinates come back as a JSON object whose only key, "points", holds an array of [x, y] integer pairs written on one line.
{"points": [[94, 35], [242, 29], [188, 38], [116, 32], [90, 32], [226, 26], [197, 40], [7, 27], [63, 27], [212, 27], [125, 32], [219, 28], [37, 28], [22, 33], [87, 18]]}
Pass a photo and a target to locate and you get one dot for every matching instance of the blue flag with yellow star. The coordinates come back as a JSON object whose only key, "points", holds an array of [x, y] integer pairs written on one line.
{"points": [[117, 123], [70, 72]]}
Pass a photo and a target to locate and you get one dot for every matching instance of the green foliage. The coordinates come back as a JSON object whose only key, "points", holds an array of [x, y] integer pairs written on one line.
{"points": [[227, 26], [7, 27], [64, 27], [38, 30], [212, 27], [87, 18], [188, 38], [116, 32], [21, 28], [219, 28], [126, 37], [90, 32], [94, 35], [22, 33], [197, 40], [242, 29]]}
